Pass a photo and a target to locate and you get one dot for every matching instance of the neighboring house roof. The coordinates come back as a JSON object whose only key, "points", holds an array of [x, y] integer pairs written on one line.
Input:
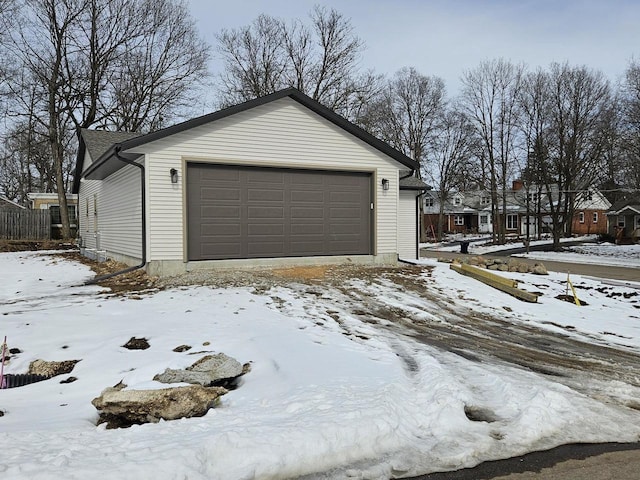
{"points": [[105, 164], [630, 206], [5, 202]]}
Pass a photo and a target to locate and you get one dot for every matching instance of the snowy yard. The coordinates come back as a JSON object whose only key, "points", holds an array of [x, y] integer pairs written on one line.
{"points": [[340, 387]]}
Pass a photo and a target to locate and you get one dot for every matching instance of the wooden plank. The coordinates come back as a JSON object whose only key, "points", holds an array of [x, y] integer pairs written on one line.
{"points": [[492, 282], [490, 275]]}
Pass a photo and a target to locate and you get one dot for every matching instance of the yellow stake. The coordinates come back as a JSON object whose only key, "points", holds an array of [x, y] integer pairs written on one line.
{"points": [[575, 295]]}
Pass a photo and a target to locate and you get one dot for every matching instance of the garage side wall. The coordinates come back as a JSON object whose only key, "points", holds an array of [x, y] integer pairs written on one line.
{"points": [[110, 216], [407, 225], [279, 134]]}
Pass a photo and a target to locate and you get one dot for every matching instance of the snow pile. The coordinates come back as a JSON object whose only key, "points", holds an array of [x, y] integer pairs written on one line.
{"points": [[316, 402]]}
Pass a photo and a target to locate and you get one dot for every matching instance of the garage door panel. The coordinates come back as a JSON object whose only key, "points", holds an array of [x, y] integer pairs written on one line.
{"points": [[308, 196], [250, 212], [214, 212], [263, 195]]}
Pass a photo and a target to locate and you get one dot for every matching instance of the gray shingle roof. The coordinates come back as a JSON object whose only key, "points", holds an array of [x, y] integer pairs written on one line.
{"points": [[99, 141], [411, 183]]}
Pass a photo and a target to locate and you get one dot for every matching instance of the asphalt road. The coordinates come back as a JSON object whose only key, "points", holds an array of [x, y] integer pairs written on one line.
{"points": [[609, 461], [567, 462], [600, 271]]}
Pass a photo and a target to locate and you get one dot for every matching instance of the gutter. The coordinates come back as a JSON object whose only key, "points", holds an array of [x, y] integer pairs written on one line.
{"points": [[143, 262]]}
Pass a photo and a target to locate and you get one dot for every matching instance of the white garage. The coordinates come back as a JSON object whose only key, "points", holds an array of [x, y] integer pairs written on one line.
{"points": [[276, 179]]}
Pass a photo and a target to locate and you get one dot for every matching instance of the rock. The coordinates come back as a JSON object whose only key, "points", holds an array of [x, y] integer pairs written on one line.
{"points": [[445, 260], [182, 348], [503, 267], [14, 351], [69, 380], [51, 369], [137, 344], [493, 266], [539, 269], [123, 408], [523, 268], [209, 370]]}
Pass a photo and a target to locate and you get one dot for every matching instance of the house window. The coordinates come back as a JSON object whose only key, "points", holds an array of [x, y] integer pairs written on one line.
{"points": [[620, 221], [485, 200], [457, 201], [581, 217], [428, 201], [458, 220], [484, 219], [533, 197], [588, 195], [512, 221], [637, 222], [54, 210], [595, 217]]}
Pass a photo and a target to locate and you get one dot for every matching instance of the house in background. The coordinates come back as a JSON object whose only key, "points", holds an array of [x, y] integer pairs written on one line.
{"points": [[50, 202], [470, 212], [590, 213], [624, 220], [277, 179]]}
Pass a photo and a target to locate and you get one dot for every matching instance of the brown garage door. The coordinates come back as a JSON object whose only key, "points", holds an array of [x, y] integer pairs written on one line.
{"points": [[248, 212]]}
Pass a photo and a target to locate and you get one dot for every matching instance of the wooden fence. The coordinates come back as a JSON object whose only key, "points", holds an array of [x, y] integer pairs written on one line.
{"points": [[19, 224]]}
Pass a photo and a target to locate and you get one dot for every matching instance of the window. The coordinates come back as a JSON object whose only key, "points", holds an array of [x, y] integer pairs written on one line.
{"points": [[588, 195], [458, 220], [581, 217], [637, 222], [428, 201], [485, 200], [54, 210], [620, 221], [457, 201], [512, 221], [595, 217], [484, 219], [86, 207], [533, 197]]}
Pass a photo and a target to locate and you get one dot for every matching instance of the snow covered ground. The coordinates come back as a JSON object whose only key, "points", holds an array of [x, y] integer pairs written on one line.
{"points": [[329, 395], [479, 244]]}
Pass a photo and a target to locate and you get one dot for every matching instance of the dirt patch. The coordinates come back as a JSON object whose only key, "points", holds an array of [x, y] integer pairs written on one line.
{"points": [[133, 282], [571, 299], [304, 273], [32, 245], [137, 344]]}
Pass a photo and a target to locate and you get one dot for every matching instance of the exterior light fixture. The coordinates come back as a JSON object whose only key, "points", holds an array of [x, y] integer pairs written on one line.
{"points": [[174, 175], [385, 184]]}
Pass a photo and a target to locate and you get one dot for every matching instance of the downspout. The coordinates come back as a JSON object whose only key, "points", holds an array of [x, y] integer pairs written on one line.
{"points": [[143, 262]]}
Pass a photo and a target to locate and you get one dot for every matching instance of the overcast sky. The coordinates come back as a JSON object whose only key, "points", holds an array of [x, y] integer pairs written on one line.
{"points": [[447, 37]]}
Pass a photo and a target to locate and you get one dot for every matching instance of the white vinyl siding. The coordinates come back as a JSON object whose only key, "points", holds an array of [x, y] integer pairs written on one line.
{"points": [[282, 133], [116, 200], [407, 225]]}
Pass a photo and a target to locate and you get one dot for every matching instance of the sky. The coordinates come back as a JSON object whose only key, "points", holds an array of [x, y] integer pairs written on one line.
{"points": [[332, 392], [447, 37]]}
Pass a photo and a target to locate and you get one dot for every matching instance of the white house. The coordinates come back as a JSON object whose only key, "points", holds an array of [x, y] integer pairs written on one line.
{"points": [[276, 179]]}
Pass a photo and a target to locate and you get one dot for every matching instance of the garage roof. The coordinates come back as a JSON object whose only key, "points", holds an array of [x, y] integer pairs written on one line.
{"points": [[105, 163]]}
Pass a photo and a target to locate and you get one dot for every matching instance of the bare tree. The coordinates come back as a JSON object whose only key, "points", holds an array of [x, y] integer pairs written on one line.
{"points": [[406, 112], [320, 59], [489, 96], [449, 156], [159, 70], [580, 98], [630, 126], [124, 63]]}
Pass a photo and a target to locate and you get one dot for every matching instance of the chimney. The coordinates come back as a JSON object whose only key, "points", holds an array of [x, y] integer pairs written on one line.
{"points": [[517, 185]]}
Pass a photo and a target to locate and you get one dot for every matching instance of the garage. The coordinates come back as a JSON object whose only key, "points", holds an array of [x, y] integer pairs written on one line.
{"points": [[241, 212]]}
